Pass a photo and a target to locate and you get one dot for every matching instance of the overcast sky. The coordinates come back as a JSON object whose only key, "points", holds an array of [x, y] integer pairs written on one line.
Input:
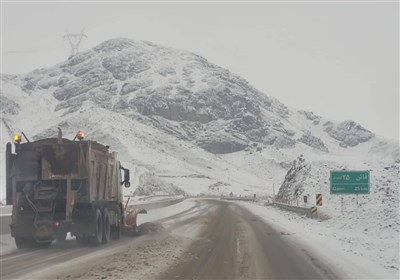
{"points": [[339, 60]]}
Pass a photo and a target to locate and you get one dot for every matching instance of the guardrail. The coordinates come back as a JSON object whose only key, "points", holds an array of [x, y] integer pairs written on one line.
{"points": [[307, 211], [157, 204], [238, 198]]}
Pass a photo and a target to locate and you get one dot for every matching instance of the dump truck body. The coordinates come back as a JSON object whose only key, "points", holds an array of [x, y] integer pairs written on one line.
{"points": [[58, 186]]}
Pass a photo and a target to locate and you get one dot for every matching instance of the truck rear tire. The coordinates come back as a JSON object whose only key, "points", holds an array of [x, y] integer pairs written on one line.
{"points": [[106, 226], [98, 231], [116, 229], [24, 242]]}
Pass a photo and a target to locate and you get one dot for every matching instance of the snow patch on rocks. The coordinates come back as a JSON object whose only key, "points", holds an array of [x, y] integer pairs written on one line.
{"points": [[313, 141], [151, 184], [348, 133]]}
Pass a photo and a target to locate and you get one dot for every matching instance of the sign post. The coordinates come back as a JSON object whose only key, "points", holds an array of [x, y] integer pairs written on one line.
{"points": [[341, 208], [349, 182]]}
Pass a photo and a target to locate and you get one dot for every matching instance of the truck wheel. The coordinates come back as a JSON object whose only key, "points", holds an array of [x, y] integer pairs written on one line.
{"points": [[23, 242], [106, 226], [98, 231], [116, 229]]}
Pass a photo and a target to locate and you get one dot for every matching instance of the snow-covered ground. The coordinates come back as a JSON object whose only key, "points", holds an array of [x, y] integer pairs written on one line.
{"points": [[362, 243], [353, 246], [350, 245], [169, 211], [164, 153], [147, 199]]}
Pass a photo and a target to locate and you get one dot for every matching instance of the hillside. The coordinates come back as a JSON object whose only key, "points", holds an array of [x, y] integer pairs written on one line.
{"points": [[178, 121]]}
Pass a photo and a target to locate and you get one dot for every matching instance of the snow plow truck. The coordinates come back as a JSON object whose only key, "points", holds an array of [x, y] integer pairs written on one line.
{"points": [[58, 186]]}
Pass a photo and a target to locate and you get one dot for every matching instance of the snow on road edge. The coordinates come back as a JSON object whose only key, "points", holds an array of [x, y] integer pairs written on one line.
{"points": [[332, 245]]}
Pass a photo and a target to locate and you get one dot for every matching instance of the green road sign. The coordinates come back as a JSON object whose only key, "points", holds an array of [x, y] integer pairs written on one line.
{"points": [[349, 182]]}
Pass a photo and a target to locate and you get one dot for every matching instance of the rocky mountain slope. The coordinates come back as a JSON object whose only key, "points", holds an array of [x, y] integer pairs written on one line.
{"points": [[176, 116]]}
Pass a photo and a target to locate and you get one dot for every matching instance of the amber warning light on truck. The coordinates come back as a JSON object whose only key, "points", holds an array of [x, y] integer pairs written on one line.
{"points": [[80, 135], [17, 138]]}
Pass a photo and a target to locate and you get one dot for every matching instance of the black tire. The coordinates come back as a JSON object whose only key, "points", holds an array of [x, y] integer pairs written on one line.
{"points": [[106, 226], [116, 229], [24, 242], [98, 228]]}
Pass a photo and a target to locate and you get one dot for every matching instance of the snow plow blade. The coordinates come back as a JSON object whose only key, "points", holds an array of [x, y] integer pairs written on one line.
{"points": [[130, 222]]}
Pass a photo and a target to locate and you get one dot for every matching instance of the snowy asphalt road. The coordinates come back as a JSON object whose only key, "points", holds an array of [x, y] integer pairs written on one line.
{"points": [[230, 243], [236, 244], [5, 216], [22, 263]]}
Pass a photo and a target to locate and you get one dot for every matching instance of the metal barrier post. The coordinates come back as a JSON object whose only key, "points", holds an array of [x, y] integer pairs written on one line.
{"points": [[341, 198]]}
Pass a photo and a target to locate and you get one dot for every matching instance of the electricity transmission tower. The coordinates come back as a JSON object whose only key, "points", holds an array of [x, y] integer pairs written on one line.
{"points": [[74, 40]]}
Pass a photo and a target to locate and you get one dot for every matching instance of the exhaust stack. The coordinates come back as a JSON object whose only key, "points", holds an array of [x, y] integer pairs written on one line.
{"points": [[59, 136]]}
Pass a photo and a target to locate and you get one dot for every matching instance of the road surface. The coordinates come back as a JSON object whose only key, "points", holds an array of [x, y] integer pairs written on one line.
{"points": [[5, 215], [236, 244], [230, 243]]}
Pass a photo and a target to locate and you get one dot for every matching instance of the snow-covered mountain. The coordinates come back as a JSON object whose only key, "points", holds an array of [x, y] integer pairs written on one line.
{"points": [[177, 119]]}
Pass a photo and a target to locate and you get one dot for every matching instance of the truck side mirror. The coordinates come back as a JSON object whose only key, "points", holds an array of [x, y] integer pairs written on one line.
{"points": [[127, 184]]}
